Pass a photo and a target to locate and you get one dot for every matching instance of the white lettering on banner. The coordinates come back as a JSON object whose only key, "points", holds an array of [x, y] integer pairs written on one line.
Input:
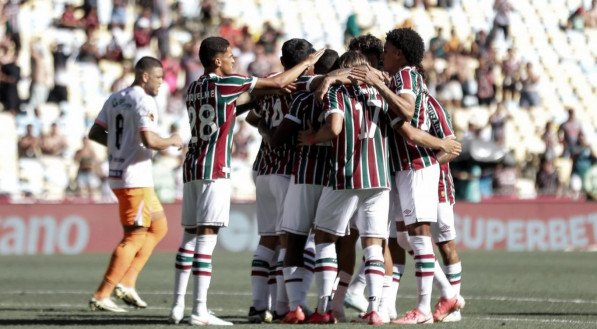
{"points": [[578, 236], [557, 234], [496, 232], [81, 234], [12, 233], [536, 236], [515, 236], [527, 234], [19, 236]]}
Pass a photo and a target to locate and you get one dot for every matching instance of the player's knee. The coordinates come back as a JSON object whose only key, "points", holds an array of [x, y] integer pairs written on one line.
{"points": [[159, 228], [134, 240], [402, 239]]}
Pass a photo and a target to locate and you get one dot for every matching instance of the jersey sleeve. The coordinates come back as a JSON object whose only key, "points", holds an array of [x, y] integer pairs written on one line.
{"points": [[333, 102], [297, 108], [102, 117], [146, 115], [441, 125], [403, 82], [230, 87]]}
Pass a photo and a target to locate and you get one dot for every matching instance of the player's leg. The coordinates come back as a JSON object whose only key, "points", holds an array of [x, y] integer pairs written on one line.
{"points": [[418, 199], [332, 218], [156, 232], [298, 215], [135, 220], [279, 188], [448, 307], [345, 250], [372, 224], [191, 213], [214, 203], [263, 258]]}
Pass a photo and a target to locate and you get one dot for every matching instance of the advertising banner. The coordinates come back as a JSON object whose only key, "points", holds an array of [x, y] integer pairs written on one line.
{"points": [[80, 228]]}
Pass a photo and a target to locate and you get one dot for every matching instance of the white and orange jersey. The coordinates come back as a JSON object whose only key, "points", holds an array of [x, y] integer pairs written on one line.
{"points": [[124, 115]]}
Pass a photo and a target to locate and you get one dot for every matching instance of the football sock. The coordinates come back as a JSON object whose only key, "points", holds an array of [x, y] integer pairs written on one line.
{"points": [[374, 275], [202, 271], [259, 277], [326, 270], [424, 270], [183, 265]]}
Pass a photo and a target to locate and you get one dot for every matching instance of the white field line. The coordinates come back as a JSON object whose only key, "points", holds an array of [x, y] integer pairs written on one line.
{"points": [[246, 293], [82, 306]]}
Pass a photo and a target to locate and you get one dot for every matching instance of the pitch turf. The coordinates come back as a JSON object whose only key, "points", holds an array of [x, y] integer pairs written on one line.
{"points": [[503, 290]]}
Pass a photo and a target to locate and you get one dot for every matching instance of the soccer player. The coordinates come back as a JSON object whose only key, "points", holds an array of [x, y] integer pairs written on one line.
{"points": [[357, 188], [127, 125], [211, 105], [309, 172], [418, 173], [274, 167]]}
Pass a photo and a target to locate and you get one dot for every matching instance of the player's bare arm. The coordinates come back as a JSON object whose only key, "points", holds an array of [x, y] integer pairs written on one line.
{"points": [[332, 129], [98, 134], [155, 142], [402, 105], [287, 77], [451, 147]]}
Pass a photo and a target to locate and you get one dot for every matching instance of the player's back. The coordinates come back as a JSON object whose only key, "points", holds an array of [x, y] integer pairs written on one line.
{"points": [[125, 114]]}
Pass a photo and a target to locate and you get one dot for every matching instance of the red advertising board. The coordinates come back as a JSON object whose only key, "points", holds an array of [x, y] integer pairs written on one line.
{"points": [[80, 228]]}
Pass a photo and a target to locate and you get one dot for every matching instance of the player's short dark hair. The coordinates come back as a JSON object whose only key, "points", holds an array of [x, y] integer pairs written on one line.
{"points": [[147, 63], [352, 58], [295, 51], [210, 48], [368, 45], [410, 42], [327, 62]]}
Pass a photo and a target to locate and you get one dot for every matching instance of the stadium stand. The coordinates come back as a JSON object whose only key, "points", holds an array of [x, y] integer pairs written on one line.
{"points": [[84, 59]]}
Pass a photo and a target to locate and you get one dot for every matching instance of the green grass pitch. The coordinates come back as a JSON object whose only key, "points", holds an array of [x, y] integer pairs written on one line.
{"points": [[503, 290]]}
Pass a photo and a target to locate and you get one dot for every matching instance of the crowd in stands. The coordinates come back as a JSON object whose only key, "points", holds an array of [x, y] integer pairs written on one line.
{"points": [[60, 60]]}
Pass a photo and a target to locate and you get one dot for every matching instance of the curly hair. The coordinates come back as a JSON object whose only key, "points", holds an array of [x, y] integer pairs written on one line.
{"points": [[410, 42], [368, 45]]}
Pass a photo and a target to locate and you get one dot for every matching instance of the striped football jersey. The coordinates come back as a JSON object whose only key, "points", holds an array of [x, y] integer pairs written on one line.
{"points": [[412, 157], [211, 105], [311, 163], [359, 153]]}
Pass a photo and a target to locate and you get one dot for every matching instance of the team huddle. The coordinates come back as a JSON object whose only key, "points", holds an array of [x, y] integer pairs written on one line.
{"points": [[353, 146]]}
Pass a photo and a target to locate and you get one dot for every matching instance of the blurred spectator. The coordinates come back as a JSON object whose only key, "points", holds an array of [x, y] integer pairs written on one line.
{"points": [[89, 52], [529, 95], [142, 29], [53, 143], [437, 44], [229, 31], [39, 89], [502, 18], [467, 184], [352, 29], [90, 21], [171, 71], [451, 92], [68, 20], [124, 80], [10, 75], [547, 181], [59, 92], [569, 132], [261, 66], [190, 61], [10, 18], [551, 140], [481, 45], [240, 143], [498, 120], [245, 55], [118, 17], [269, 38], [162, 35], [583, 159], [510, 69], [505, 177], [454, 45], [87, 180], [29, 145], [485, 82]]}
